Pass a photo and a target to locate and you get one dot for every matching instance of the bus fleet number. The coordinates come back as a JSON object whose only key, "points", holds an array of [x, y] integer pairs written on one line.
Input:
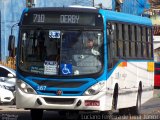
{"points": [[42, 88], [38, 18]]}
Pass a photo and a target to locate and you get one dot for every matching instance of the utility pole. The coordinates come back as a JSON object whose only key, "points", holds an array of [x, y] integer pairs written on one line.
{"points": [[85, 3], [30, 3], [93, 3]]}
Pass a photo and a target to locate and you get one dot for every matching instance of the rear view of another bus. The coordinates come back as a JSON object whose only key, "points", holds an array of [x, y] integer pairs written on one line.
{"points": [[157, 75]]}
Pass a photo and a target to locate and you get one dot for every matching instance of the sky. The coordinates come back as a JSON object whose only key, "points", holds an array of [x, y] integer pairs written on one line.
{"points": [[61, 3], [107, 4]]}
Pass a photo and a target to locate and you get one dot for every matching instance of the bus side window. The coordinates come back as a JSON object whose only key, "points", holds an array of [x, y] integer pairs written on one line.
{"points": [[149, 43], [113, 40], [126, 41], [111, 29], [133, 50], [120, 40], [109, 44], [139, 41], [144, 47], [130, 40], [135, 40]]}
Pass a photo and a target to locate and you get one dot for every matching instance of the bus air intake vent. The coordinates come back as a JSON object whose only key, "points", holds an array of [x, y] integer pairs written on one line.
{"points": [[64, 92], [63, 101], [60, 84]]}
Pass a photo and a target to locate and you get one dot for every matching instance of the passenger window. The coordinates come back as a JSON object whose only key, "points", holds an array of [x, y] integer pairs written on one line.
{"points": [[120, 40]]}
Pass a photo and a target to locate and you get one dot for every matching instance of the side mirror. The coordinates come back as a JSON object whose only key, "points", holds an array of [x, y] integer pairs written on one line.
{"points": [[11, 45], [11, 42], [10, 75]]}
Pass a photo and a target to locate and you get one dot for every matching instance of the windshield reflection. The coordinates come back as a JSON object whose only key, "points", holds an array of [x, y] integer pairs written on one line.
{"points": [[55, 52]]}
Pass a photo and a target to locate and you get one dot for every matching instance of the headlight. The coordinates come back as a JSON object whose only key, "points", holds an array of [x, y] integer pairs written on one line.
{"points": [[11, 88], [95, 89], [1, 86], [25, 87]]}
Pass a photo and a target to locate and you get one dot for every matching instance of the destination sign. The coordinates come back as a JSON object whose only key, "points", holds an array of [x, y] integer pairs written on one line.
{"points": [[73, 19], [41, 18], [60, 18]]}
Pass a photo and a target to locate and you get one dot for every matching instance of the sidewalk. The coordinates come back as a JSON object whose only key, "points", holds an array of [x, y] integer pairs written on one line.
{"points": [[156, 93]]}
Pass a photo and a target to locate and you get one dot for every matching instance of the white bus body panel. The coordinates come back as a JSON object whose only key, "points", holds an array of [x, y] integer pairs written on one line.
{"points": [[29, 101], [128, 79]]}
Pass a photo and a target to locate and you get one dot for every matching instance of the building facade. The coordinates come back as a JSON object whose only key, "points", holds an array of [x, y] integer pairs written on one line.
{"points": [[9, 15], [10, 12]]}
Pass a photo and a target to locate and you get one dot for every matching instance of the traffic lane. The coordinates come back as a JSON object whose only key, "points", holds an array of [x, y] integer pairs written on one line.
{"points": [[151, 109], [15, 115], [147, 113], [9, 112], [25, 115], [153, 105], [50, 115]]}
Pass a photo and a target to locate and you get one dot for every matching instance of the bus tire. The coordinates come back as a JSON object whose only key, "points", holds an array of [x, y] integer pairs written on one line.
{"points": [[136, 110], [115, 99], [36, 114], [13, 102], [62, 114], [69, 115], [72, 115]]}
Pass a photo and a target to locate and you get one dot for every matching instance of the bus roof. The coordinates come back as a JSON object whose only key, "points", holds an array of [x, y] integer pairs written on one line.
{"points": [[121, 17], [59, 9]]}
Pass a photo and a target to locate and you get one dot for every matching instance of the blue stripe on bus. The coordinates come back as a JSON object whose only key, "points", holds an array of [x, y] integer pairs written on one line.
{"points": [[25, 11], [80, 89], [116, 65], [117, 16]]}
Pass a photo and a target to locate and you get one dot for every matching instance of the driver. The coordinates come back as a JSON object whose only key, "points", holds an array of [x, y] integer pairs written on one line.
{"points": [[90, 47]]}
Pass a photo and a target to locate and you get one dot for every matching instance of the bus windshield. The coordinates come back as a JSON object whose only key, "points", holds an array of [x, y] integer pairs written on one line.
{"points": [[61, 52]]}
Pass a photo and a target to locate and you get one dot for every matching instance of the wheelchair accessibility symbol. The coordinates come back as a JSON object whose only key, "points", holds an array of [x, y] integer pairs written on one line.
{"points": [[66, 69]]}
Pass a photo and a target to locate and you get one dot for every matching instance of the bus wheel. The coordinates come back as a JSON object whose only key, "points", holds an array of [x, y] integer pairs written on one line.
{"points": [[62, 114], [115, 99], [69, 115], [136, 110], [13, 102], [36, 114], [72, 115]]}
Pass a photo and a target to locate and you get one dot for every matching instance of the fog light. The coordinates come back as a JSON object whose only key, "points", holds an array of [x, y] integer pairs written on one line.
{"points": [[79, 103]]}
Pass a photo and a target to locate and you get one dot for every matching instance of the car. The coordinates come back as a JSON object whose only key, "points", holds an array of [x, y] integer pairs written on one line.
{"points": [[7, 85], [6, 96]]}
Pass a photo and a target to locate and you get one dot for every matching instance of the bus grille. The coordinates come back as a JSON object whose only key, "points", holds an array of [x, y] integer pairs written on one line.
{"points": [[60, 84], [53, 93], [59, 100]]}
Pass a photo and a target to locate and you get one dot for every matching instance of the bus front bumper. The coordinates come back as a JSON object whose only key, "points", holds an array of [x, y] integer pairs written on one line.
{"points": [[100, 102]]}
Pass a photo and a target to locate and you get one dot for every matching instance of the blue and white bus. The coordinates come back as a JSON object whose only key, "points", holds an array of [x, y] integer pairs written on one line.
{"points": [[57, 71]]}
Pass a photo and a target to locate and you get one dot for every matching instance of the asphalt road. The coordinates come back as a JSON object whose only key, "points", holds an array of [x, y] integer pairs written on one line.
{"points": [[150, 111]]}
